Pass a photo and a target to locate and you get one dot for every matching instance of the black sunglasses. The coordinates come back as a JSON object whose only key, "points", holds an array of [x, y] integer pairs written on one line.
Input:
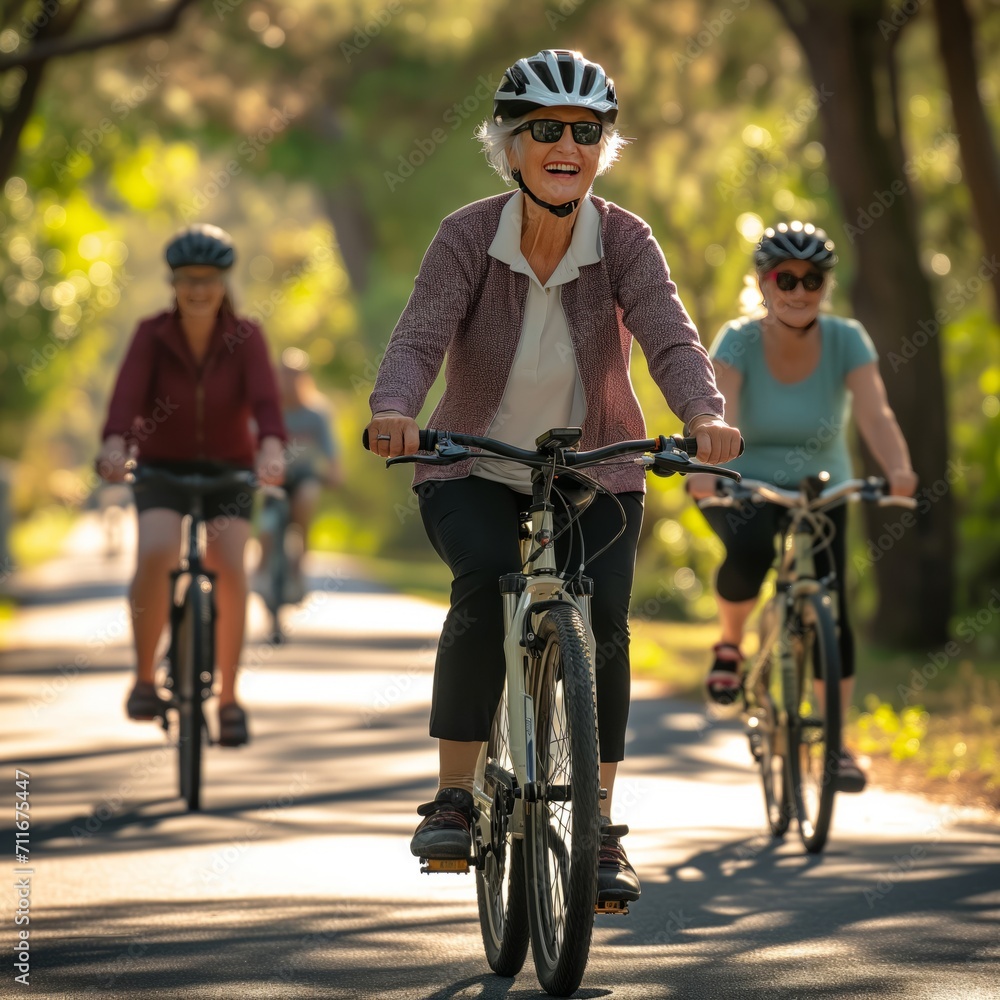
{"points": [[550, 130], [812, 281]]}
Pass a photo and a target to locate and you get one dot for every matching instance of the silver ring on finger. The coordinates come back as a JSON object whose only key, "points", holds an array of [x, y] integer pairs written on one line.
{"points": [[383, 437]]}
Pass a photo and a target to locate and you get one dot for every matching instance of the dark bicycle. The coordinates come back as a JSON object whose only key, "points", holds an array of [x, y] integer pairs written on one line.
{"points": [[190, 661]]}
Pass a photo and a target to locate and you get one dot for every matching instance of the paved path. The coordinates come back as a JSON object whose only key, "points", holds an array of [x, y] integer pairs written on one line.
{"points": [[296, 879]]}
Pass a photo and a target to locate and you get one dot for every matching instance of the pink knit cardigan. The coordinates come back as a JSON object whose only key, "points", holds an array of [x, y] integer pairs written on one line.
{"points": [[470, 306]]}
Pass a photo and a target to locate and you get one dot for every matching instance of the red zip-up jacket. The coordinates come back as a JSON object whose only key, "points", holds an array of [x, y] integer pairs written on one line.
{"points": [[176, 410]]}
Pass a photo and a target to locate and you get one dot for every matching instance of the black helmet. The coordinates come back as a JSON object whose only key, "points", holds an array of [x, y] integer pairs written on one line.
{"points": [[552, 78], [794, 241], [208, 246]]}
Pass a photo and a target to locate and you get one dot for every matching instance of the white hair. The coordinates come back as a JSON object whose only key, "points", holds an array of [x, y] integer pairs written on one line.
{"points": [[498, 139]]}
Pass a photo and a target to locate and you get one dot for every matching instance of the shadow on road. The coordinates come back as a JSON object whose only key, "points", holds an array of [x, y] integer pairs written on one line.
{"points": [[295, 879]]}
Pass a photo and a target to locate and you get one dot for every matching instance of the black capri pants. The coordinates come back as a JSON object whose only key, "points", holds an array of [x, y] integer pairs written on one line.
{"points": [[748, 532], [472, 524]]}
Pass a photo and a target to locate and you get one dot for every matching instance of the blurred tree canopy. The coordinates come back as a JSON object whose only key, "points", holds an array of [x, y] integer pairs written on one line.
{"points": [[332, 136]]}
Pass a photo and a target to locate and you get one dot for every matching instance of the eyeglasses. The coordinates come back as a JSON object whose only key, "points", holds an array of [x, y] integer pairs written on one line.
{"points": [[812, 281], [551, 130]]}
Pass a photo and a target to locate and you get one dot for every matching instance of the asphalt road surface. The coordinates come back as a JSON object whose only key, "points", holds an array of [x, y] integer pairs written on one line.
{"points": [[296, 878]]}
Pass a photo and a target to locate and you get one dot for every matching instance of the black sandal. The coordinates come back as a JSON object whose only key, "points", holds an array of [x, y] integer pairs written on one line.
{"points": [[233, 726], [724, 682], [144, 703]]}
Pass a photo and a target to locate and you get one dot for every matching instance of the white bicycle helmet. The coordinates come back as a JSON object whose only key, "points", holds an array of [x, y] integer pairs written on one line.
{"points": [[552, 78]]}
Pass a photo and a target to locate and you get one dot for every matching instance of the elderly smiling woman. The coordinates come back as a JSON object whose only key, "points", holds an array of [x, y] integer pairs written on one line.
{"points": [[535, 297]]}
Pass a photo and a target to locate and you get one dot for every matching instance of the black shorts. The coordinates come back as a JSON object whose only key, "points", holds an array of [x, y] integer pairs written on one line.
{"points": [[233, 501]]}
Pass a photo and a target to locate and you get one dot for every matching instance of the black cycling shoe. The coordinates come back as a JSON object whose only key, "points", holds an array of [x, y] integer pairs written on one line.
{"points": [[445, 832], [144, 703], [850, 778], [616, 878]]}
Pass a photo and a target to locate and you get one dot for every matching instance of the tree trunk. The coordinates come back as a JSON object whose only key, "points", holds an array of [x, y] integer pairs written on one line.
{"points": [[979, 155], [891, 296], [14, 119]]}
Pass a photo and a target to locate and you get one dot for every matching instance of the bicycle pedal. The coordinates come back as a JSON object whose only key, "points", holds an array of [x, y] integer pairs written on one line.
{"points": [[619, 906], [429, 866]]}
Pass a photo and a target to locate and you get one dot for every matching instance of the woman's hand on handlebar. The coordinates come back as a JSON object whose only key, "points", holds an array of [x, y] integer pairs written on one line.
{"points": [[902, 482], [403, 434], [271, 462], [110, 463], [717, 441]]}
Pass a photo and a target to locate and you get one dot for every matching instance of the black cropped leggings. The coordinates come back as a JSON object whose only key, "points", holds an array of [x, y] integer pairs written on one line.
{"points": [[472, 524], [749, 537]]}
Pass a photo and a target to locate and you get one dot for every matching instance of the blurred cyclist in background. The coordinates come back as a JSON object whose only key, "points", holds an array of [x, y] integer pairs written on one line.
{"points": [[312, 462], [191, 380], [793, 377]]}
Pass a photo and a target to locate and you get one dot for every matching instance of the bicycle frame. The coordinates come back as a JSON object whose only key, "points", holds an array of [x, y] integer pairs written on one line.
{"points": [[540, 582]]}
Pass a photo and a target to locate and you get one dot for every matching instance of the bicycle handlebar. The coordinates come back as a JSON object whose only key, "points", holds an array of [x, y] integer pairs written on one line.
{"points": [[191, 483], [669, 454], [871, 490]]}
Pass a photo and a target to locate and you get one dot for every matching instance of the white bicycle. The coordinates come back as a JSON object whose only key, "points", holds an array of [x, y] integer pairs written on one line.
{"points": [[537, 790]]}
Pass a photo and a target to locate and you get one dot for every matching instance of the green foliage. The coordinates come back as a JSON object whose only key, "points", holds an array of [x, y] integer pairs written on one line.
{"points": [[293, 124]]}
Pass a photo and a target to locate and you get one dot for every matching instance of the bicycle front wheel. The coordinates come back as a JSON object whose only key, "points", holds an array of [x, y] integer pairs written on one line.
{"points": [[500, 883], [561, 838], [192, 674], [814, 718]]}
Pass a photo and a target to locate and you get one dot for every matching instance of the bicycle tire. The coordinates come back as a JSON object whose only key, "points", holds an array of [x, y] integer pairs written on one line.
{"points": [[771, 734], [814, 723], [561, 837], [500, 883], [192, 671]]}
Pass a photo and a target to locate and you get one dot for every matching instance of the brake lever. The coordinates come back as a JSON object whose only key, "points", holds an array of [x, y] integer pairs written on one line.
{"points": [[448, 453]]}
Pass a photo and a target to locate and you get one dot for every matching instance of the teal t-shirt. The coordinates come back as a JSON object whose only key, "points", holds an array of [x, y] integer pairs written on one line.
{"points": [[794, 429]]}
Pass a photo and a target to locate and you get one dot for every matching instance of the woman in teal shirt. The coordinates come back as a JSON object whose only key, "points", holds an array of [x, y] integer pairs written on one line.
{"points": [[792, 379]]}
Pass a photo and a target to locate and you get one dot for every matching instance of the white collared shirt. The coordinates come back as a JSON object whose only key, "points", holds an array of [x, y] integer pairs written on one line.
{"points": [[543, 388]]}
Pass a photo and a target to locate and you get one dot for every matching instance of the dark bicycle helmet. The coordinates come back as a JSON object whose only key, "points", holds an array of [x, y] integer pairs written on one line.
{"points": [[551, 78], [204, 245], [794, 241]]}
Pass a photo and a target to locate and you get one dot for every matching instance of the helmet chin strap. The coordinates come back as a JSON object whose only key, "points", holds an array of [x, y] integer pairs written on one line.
{"points": [[559, 211], [801, 329]]}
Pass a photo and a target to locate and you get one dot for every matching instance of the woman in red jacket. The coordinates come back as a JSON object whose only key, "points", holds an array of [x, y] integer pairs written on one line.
{"points": [[192, 379]]}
